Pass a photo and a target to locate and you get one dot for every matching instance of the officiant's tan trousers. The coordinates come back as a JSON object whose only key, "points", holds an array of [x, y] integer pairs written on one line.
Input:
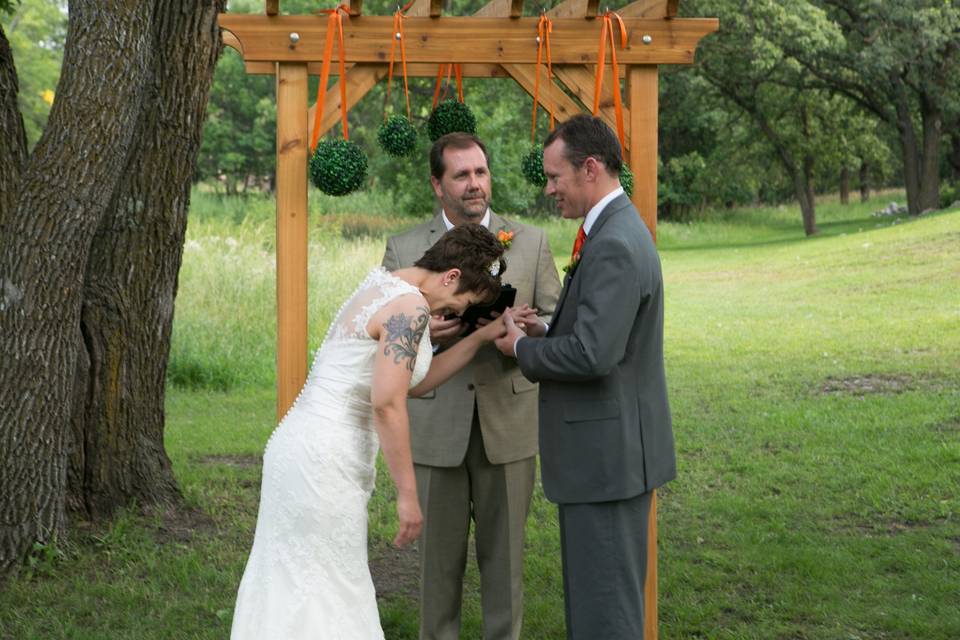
{"points": [[497, 498]]}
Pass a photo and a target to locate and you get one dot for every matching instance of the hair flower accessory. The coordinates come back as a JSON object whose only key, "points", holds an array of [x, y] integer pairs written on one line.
{"points": [[494, 268], [505, 238]]}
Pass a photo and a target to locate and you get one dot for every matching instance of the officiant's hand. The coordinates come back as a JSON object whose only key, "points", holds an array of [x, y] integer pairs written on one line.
{"points": [[443, 332], [508, 340]]}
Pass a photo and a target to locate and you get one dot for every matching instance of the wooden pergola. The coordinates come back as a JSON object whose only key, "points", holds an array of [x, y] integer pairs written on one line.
{"points": [[496, 42]]}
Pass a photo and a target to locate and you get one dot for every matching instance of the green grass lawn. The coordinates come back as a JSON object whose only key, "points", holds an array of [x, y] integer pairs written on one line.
{"points": [[815, 387]]}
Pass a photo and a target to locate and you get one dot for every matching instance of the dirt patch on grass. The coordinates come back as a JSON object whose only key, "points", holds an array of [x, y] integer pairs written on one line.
{"points": [[231, 460], [951, 426], [396, 572], [881, 528], [171, 525], [869, 384]]}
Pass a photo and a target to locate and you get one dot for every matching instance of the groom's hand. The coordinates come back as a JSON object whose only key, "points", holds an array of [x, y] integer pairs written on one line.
{"points": [[525, 317], [506, 343]]}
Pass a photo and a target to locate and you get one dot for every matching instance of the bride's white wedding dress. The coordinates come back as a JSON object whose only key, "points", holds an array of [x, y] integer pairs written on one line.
{"points": [[307, 575]]}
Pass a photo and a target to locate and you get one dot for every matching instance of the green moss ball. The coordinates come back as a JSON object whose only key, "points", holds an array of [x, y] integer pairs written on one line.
{"points": [[450, 116], [397, 136], [338, 167], [532, 167], [626, 180]]}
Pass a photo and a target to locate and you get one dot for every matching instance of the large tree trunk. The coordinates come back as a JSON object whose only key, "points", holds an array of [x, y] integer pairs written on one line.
{"points": [[910, 151], [64, 190], [844, 185], [864, 181], [930, 164], [13, 137], [803, 184], [131, 278]]}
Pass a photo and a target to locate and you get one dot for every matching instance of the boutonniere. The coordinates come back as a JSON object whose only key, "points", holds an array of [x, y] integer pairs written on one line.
{"points": [[574, 261], [505, 238]]}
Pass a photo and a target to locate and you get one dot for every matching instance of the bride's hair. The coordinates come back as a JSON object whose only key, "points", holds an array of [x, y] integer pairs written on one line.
{"points": [[476, 252]]}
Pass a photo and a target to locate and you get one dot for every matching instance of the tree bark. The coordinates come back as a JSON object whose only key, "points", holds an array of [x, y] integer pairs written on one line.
{"points": [[131, 277], [910, 151], [844, 185], [932, 120], [864, 181], [64, 190], [13, 136], [803, 183]]}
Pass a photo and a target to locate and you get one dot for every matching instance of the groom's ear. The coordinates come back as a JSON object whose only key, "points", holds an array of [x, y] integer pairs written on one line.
{"points": [[436, 186], [592, 168]]}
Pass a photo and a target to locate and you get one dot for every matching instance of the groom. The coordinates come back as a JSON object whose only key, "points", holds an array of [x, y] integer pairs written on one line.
{"points": [[605, 434]]}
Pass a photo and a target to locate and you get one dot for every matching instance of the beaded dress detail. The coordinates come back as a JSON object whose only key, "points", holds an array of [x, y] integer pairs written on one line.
{"points": [[307, 575]]}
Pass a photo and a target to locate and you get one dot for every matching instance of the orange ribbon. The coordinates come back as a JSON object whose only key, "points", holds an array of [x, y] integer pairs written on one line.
{"points": [[440, 71], [606, 29], [399, 35], [544, 27], [334, 23]]}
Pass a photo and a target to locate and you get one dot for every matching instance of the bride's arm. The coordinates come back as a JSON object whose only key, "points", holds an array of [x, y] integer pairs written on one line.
{"points": [[445, 364], [398, 327]]}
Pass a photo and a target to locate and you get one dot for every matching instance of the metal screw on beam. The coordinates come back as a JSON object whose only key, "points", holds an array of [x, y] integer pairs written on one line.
{"points": [[397, 35], [294, 38], [538, 39], [647, 39]]}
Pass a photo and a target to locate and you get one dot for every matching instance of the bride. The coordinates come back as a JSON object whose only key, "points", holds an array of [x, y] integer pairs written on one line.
{"points": [[307, 575]]}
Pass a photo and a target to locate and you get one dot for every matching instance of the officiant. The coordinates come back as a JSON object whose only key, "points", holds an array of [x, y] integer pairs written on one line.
{"points": [[475, 438]]}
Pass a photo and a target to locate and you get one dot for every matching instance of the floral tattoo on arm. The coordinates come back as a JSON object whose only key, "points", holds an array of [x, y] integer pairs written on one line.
{"points": [[403, 336]]}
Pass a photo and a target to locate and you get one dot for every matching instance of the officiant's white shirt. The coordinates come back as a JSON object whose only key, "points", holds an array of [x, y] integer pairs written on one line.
{"points": [[485, 223]]}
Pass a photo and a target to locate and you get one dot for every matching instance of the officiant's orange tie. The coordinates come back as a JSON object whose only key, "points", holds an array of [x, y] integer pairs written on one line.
{"points": [[577, 244]]}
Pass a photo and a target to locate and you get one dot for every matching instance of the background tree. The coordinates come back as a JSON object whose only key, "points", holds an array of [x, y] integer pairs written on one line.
{"points": [[897, 60], [89, 254], [747, 64]]}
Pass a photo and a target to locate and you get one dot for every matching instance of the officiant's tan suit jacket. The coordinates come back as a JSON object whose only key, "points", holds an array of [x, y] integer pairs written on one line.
{"points": [[506, 401]]}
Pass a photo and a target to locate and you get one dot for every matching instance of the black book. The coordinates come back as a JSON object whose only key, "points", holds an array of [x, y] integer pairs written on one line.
{"points": [[507, 297]]}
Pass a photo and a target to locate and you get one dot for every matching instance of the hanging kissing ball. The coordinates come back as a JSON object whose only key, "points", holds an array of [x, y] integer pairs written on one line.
{"points": [[626, 180], [338, 167], [450, 116], [397, 136], [532, 167]]}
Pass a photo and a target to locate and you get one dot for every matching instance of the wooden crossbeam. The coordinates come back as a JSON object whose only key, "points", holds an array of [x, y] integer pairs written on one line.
{"points": [[465, 39]]}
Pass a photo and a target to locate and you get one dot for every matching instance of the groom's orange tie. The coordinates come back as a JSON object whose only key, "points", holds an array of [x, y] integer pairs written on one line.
{"points": [[578, 243]]}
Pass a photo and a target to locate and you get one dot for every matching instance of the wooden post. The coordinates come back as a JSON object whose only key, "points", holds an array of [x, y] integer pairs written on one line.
{"points": [[292, 150], [643, 100]]}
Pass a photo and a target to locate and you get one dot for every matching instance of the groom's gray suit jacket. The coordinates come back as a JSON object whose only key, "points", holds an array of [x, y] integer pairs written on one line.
{"points": [[605, 428]]}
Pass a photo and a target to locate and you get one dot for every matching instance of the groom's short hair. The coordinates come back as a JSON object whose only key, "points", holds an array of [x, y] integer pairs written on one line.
{"points": [[455, 140], [588, 137]]}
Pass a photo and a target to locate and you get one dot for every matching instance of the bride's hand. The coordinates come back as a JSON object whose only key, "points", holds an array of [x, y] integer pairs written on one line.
{"points": [[411, 520], [490, 330]]}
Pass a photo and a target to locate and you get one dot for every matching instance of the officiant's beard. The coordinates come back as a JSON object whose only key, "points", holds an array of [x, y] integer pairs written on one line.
{"points": [[465, 210]]}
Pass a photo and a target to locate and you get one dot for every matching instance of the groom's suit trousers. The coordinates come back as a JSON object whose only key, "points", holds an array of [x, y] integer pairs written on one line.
{"points": [[604, 549]]}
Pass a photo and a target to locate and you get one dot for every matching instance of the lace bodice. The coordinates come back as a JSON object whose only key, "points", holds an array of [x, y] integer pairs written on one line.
{"points": [[342, 372]]}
